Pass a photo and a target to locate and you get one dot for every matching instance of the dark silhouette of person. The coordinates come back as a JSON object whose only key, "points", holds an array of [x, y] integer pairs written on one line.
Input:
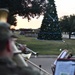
{"points": [[7, 65]]}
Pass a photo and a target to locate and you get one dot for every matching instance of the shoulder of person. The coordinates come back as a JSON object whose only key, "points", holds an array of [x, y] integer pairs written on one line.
{"points": [[28, 71], [6, 70]]}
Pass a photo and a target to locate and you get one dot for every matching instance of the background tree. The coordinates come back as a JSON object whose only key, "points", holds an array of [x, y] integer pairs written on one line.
{"points": [[50, 26], [12, 20], [67, 24], [25, 8], [32, 8]]}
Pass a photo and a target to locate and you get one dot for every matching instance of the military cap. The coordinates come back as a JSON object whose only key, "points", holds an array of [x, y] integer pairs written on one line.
{"points": [[5, 32]]}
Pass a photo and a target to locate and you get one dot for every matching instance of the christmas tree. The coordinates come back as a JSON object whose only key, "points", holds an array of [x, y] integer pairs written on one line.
{"points": [[50, 29]]}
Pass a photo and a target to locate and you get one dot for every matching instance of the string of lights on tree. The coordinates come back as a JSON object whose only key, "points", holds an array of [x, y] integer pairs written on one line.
{"points": [[50, 26]]}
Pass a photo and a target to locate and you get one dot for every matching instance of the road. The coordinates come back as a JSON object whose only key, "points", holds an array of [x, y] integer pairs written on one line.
{"points": [[44, 62]]}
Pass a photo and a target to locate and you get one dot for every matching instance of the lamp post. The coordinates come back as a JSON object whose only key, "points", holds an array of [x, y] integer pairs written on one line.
{"points": [[3, 14]]}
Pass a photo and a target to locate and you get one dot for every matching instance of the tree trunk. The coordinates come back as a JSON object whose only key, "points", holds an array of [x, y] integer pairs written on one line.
{"points": [[69, 35]]}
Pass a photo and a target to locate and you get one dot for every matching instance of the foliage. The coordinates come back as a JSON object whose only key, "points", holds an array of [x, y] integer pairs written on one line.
{"points": [[25, 8], [67, 24], [50, 29], [12, 19], [64, 22]]}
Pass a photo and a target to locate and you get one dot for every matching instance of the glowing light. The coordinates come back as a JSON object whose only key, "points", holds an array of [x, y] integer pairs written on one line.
{"points": [[3, 15]]}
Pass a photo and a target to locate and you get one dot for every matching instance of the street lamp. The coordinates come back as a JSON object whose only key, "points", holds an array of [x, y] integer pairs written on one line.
{"points": [[3, 14]]}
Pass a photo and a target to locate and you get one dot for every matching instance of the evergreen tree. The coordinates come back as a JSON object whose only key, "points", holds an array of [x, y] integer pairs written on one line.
{"points": [[50, 26]]}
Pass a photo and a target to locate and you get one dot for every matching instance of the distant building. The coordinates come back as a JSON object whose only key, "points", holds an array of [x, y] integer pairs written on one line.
{"points": [[29, 32]]}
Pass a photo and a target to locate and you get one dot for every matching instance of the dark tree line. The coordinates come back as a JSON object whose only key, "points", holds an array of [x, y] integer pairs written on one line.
{"points": [[25, 8], [67, 24]]}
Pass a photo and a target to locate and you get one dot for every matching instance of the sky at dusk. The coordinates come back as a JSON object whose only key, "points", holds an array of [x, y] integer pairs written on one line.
{"points": [[63, 7]]}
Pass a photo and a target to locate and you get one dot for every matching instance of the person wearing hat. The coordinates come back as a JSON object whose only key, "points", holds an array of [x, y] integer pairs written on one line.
{"points": [[7, 65]]}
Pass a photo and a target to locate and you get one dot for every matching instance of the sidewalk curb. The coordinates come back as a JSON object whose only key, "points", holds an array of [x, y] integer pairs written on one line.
{"points": [[44, 56]]}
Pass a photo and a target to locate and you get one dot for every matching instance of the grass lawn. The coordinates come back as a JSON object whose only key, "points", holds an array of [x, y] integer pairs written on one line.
{"points": [[49, 47]]}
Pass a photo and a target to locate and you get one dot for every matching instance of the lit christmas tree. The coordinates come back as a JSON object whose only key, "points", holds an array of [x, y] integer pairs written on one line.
{"points": [[50, 26]]}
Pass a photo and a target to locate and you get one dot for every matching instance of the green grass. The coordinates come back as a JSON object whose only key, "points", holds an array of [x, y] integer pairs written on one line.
{"points": [[47, 46]]}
